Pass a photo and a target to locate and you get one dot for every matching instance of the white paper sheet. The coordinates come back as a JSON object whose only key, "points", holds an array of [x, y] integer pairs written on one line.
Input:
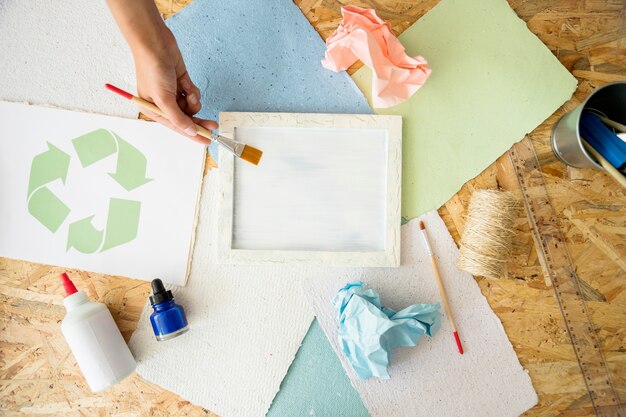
{"points": [[246, 325], [143, 219], [60, 53], [433, 379]]}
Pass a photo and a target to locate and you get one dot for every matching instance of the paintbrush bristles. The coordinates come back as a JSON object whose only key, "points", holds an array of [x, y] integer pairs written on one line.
{"points": [[422, 227], [252, 155]]}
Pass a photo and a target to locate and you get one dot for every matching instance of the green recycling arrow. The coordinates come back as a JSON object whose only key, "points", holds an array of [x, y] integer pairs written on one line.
{"points": [[94, 146], [131, 163], [47, 167], [47, 208], [122, 223], [122, 226], [123, 215], [83, 236], [131, 166]]}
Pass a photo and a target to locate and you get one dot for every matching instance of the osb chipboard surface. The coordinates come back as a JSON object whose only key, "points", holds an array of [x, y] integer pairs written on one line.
{"points": [[38, 375]]}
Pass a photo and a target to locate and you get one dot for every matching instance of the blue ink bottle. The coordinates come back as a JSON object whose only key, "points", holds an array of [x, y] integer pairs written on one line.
{"points": [[168, 319]]}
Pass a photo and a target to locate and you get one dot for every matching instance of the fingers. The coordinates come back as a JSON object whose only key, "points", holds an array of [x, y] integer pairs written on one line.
{"points": [[207, 124], [192, 93], [174, 114]]}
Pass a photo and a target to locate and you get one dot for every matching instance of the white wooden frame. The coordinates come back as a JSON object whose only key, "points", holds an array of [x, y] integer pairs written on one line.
{"points": [[389, 257]]}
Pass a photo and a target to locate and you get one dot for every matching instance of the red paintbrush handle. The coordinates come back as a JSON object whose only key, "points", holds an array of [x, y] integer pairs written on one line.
{"points": [[458, 342]]}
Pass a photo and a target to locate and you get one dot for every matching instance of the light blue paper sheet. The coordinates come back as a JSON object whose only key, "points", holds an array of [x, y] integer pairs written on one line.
{"points": [[368, 332], [316, 384], [259, 56]]}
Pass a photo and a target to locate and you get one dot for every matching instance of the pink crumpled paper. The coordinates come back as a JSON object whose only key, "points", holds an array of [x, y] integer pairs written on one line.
{"points": [[363, 35]]}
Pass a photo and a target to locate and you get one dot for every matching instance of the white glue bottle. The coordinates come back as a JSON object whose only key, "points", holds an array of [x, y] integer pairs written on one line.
{"points": [[95, 340]]}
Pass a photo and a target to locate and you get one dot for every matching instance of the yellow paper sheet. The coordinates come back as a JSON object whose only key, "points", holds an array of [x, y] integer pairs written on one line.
{"points": [[493, 81]]}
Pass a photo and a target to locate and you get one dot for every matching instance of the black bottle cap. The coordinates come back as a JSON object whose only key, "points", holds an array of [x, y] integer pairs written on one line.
{"points": [[159, 294]]}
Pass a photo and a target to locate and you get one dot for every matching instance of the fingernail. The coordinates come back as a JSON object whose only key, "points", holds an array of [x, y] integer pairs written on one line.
{"points": [[191, 131], [192, 98]]}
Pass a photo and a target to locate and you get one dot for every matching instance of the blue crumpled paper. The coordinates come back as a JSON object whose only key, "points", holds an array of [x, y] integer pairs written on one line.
{"points": [[368, 332]]}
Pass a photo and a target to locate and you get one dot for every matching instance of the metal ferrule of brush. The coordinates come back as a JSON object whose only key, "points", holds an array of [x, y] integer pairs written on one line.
{"points": [[230, 144]]}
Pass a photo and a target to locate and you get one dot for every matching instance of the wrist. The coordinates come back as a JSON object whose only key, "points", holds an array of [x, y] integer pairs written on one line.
{"points": [[142, 26], [152, 46]]}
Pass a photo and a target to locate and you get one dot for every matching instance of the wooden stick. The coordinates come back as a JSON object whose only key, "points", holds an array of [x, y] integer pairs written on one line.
{"points": [[442, 290], [612, 123], [241, 150], [610, 169]]}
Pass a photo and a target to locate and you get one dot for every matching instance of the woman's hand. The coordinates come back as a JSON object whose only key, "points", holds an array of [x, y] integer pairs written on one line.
{"points": [[161, 74], [163, 79]]}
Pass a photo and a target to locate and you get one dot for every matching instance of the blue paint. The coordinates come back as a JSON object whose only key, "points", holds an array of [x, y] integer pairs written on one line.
{"points": [[264, 56], [168, 319]]}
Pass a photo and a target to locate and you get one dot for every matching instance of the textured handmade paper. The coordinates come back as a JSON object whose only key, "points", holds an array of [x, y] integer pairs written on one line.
{"points": [[362, 35], [316, 384], [60, 53], [259, 56], [97, 193], [493, 81], [433, 379], [246, 325]]}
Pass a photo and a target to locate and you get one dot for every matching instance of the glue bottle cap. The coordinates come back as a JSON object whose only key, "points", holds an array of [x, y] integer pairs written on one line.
{"points": [[69, 286], [159, 294]]}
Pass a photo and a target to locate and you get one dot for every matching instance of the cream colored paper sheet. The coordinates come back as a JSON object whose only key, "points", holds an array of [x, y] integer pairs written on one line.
{"points": [[432, 379], [493, 81]]}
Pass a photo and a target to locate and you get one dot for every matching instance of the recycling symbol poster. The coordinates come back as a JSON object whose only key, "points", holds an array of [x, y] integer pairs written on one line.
{"points": [[97, 193]]}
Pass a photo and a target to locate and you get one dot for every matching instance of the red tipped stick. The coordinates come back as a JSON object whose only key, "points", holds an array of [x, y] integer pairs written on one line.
{"points": [[69, 286], [248, 153], [442, 290], [119, 91]]}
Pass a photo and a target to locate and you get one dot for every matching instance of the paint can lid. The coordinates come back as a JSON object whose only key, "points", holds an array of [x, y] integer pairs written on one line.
{"points": [[159, 294]]}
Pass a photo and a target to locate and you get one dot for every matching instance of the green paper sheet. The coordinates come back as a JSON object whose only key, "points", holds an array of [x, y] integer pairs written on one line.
{"points": [[493, 81]]}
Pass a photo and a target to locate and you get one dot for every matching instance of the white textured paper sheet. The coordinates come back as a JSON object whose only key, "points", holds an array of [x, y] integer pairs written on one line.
{"points": [[61, 53], [246, 325], [133, 183], [433, 379]]}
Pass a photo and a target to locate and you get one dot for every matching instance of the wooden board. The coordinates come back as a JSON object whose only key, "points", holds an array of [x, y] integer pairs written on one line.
{"points": [[39, 376]]}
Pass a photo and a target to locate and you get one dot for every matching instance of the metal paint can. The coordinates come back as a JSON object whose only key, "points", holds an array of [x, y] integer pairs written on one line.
{"points": [[608, 100]]}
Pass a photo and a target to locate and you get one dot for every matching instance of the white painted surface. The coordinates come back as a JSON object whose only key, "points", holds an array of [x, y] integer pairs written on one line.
{"points": [[327, 189], [317, 189]]}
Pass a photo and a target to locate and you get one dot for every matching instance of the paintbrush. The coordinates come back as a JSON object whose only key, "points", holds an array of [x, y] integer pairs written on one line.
{"points": [[241, 150], [610, 169], [442, 290]]}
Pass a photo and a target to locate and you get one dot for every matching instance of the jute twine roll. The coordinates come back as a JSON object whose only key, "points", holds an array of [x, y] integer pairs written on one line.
{"points": [[486, 242]]}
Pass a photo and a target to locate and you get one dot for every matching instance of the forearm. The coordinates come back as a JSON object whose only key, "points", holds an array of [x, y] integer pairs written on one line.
{"points": [[141, 25]]}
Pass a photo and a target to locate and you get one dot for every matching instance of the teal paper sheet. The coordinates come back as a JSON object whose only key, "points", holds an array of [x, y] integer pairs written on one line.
{"points": [[316, 384]]}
